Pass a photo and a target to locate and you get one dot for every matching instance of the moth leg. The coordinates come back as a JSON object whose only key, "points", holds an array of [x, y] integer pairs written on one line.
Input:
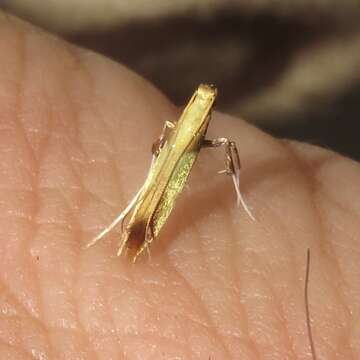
{"points": [[233, 165], [118, 219], [123, 242], [159, 143], [146, 248], [149, 237]]}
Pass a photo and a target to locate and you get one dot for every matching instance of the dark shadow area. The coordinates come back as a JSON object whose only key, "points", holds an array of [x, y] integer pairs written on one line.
{"points": [[242, 55], [208, 50], [336, 127]]}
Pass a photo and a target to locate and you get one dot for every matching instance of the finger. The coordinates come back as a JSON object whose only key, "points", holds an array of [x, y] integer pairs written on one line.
{"points": [[82, 134]]}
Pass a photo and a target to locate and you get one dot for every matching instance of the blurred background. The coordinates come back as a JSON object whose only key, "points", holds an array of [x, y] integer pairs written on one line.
{"points": [[290, 66]]}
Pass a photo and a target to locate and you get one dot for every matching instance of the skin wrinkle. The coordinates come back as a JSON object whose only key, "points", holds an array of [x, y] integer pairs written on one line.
{"points": [[20, 325], [23, 353], [91, 331], [161, 336], [89, 342], [202, 306], [192, 203], [244, 317], [51, 130], [229, 252], [284, 324], [188, 315], [21, 311], [323, 194], [283, 320], [278, 304], [315, 170], [178, 316], [194, 234], [314, 167], [65, 347], [103, 202], [311, 185], [78, 65], [120, 349], [113, 162], [105, 148], [335, 203], [343, 246], [351, 333], [154, 340], [187, 318], [16, 216], [22, 56], [25, 59], [147, 298], [79, 318], [335, 264], [141, 302], [67, 227], [337, 244], [152, 306], [236, 275], [279, 312], [67, 209], [114, 159], [64, 198], [344, 341], [339, 294]]}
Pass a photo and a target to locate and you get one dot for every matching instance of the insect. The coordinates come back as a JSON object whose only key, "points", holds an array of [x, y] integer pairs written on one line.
{"points": [[174, 154]]}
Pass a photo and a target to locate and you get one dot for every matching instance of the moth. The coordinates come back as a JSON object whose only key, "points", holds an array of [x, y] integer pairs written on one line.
{"points": [[174, 155]]}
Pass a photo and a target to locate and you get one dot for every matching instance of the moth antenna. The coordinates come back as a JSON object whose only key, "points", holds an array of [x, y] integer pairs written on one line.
{"points": [[118, 219], [122, 245], [307, 308], [148, 252], [121, 217]]}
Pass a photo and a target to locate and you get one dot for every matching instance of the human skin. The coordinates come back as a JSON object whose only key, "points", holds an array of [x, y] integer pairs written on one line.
{"points": [[75, 137]]}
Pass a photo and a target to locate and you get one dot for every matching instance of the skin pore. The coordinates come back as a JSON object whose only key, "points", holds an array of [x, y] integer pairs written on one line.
{"points": [[75, 136]]}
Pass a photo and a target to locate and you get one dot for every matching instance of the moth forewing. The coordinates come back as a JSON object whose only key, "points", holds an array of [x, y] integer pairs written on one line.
{"points": [[175, 185], [169, 172], [174, 155]]}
